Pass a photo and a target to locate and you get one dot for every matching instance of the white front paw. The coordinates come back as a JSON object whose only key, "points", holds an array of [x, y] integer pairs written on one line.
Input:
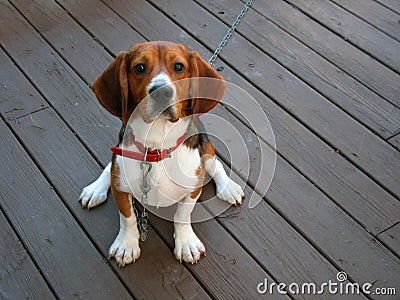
{"points": [[231, 192], [125, 249], [94, 194], [188, 246]]}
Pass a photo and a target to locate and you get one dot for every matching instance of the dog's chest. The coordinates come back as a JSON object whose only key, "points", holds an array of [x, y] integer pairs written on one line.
{"points": [[170, 179]]}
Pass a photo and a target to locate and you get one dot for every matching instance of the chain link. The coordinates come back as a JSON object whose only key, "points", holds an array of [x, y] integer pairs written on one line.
{"points": [[229, 32], [145, 187]]}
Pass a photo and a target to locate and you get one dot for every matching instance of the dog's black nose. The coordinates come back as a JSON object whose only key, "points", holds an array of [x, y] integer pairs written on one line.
{"points": [[161, 92]]}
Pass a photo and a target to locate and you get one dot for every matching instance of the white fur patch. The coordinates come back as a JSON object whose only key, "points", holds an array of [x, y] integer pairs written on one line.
{"points": [[96, 193], [153, 106], [171, 180], [227, 189], [188, 246], [125, 247], [160, 79]]}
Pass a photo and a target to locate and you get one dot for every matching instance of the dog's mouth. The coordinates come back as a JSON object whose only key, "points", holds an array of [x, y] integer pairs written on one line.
{"points": [[169, 113], [156, 111]]}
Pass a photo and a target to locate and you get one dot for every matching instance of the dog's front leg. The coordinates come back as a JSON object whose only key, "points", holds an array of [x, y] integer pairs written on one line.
{"points": [[188, 246], [125, 248], [227, 189], [96, 193]]}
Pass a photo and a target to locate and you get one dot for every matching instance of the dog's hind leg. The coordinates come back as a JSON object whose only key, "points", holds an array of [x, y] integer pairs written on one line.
{"points": [[96, 193]]}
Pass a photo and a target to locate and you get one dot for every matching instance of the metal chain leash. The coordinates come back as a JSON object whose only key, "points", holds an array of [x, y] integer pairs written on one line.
{"points": [[145, 166], [229, 32]]}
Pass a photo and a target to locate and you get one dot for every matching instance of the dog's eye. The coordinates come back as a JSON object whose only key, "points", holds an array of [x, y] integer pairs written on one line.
{"points": [[179, 67], [140, 68]]}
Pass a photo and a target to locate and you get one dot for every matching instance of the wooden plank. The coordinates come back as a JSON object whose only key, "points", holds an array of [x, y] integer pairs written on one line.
{"points": [[391, 238], [168, 277], [106, 219], [19, 278], [391, 4], [281, 249], [309, 192], [116, 32], [13, 106], [332, 47], [47, 20], [395, 141], [238, 277], [364, 105], [62, 87], [299, 157], [321, 266], [356, 251], [375, 209], [311, 212], [374, 14], [144, 18], [324, 167], [325, 216], [68, 260], [355, 31], [322, 117], [247, 263]]}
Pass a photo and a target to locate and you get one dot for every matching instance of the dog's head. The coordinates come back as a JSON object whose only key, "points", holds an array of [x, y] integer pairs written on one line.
{"points": [[166, 79]]}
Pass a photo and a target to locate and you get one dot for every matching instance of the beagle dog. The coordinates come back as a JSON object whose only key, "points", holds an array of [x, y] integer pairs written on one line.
{"points": [[158, 89]]}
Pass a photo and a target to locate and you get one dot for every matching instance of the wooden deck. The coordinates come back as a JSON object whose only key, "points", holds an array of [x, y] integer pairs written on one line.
{"points": [[327, 74]]}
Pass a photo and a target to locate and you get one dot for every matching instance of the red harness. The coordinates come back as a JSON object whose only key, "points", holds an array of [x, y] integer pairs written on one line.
{"points": [[147, 154]]}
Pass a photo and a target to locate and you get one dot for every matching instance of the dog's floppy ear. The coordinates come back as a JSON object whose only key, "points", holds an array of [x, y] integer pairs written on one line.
{"points": [[112, 88], [207, 86]]}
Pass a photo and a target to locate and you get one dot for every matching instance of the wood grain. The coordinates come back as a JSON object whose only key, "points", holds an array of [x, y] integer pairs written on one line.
{"points": [[318, 114], [391, 4], [300, 184], [373, 111], [62, 87], [15, 105], [101, 22], [310, 224], [338, 51], [101, 223], [395, 141], [19, 277], [65, 255], [305, 151], [364, 36], [375, 14], [391, 238], [289, 276]]}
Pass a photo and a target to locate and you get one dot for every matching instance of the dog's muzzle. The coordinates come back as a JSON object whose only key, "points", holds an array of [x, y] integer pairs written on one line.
{"points": [[162, 96], [161, 92]]}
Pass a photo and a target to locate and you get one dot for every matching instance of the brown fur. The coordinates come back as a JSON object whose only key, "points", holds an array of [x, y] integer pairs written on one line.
{"points": [[200, 173], [120, 89], [207, 149], [121, 199]]}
